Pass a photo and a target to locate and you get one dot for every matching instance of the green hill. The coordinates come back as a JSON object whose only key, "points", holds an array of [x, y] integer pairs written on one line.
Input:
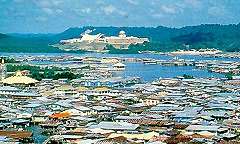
{"points": [[18, 44], [223, 37]]}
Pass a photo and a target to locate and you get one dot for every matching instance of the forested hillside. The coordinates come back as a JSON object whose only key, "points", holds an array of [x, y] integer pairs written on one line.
{"points": [[223, 37]]}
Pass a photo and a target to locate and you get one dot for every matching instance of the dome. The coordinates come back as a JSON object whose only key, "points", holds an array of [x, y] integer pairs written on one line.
{"points": [[19, 79], [122, 32]]}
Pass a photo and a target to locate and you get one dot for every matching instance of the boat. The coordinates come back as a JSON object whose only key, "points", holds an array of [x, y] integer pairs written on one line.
{"points": [[119, 67], [149, 61]]}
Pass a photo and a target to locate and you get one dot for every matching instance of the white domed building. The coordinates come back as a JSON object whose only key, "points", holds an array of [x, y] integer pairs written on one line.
{"points": [[99, 41], [122, 34], [123, 41]]}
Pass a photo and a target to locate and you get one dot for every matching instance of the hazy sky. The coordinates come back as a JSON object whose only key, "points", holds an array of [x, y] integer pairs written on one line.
{"points": [[50, 16]]}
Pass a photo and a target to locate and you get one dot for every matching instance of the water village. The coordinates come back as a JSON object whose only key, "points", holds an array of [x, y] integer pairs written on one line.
{"points": [[86, 99]]}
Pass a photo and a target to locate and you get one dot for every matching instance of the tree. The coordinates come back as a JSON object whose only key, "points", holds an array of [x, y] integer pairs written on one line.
{"points": [[229, 76], [187, 76]]}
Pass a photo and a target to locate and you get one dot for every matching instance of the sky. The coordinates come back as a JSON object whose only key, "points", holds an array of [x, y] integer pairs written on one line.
{"points": [[53, 16]]}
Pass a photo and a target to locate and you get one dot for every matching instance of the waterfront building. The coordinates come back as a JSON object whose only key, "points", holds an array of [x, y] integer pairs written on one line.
{"points": [[120, 126], [19, 136], [98, 109], [9, 90]]}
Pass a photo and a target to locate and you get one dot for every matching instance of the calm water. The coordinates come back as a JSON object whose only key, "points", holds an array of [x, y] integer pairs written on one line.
{"points": [[154, 56], [146, 72], [151, 72]]}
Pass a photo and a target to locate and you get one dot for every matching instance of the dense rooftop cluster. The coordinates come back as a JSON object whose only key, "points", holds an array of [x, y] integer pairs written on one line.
{"points": [[102, 108]]}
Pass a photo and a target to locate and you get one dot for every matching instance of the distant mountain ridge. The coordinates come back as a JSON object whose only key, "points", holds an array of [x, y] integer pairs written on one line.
{"points": [[224, 37]]}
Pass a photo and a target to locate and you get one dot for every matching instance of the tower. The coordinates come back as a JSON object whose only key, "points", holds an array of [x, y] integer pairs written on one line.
{"points": [[2, 70]]}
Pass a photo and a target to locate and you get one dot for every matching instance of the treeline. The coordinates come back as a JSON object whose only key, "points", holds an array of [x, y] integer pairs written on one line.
{"points": [[8, 60], [147, 46], [28, 45], [39, 73]]}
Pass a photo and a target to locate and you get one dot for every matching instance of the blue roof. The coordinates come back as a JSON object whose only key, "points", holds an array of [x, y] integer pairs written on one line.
{"points": [[3, 138]]}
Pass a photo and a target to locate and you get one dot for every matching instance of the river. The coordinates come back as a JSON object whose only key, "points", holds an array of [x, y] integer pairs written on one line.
{"points": [[146, 72]]}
